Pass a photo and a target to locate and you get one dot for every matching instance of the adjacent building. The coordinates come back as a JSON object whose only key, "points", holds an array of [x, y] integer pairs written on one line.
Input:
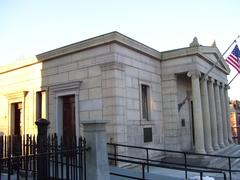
{"points": [[235, 119], [158, 99]]}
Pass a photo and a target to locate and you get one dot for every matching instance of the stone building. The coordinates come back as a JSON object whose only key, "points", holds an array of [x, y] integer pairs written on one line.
{"points": [[149, 98]]}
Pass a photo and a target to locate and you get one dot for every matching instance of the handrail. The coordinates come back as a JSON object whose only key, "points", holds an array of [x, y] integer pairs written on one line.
{"points": [[148, 162], [158, 161], [173, 151], [157, 165]]}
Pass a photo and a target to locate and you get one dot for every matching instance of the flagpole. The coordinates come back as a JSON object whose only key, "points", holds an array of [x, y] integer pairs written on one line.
{"points": [[232, 79], [234, 41], [214, 65], [237, 72]]}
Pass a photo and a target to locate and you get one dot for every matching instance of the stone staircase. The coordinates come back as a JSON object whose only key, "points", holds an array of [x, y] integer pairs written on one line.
{"points": [[231, 150]]}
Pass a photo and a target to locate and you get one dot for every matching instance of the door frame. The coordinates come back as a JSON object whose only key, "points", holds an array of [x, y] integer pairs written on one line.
{"points": [[191, 116], [13, 118], [58, 112], [54, 95], [16, 97]]}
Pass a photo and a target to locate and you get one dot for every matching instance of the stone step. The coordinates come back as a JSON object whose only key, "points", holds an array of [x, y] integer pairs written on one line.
{"points": [[232, 150], [226, 150]]}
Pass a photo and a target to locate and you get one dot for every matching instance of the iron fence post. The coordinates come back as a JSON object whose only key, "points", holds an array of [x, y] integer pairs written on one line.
{"points": [[1, 168], [115, 154], [225, 176], [42, 164], [185, 164], [201, 175], [147, 161], [230, 168], [143, 171]]}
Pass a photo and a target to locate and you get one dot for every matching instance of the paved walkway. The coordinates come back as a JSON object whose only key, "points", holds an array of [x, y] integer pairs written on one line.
{"points": [[157, 174], [138, 174]]}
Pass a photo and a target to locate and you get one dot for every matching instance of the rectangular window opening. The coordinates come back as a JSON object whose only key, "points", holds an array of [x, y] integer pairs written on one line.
{"points": [[41, 105], [147, 134], [145, 101]]}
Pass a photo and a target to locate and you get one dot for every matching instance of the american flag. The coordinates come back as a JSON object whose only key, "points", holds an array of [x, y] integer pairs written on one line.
{"points": [[234, 58]]}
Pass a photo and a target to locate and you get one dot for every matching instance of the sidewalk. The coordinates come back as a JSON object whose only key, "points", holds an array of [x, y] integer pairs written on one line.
{"points": [[157, 173], [138, 174]]}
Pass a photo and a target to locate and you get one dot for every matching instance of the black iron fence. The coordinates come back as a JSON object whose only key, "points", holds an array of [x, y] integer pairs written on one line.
{"points": [[145, 161], [26, 157]]}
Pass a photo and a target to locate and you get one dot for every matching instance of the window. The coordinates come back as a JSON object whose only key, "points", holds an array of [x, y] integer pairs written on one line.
{"points": [[145, 101], [41, 105]]}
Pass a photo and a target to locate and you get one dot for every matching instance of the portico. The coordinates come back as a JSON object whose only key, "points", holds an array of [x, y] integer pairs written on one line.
{"points": [[205, 110]]}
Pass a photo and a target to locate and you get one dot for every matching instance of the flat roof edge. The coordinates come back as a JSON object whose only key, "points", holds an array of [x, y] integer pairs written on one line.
{"points": [[112, 37]]}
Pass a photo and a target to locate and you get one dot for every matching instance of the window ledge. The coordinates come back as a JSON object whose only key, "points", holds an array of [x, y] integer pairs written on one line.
{"points": [[146, 122]]}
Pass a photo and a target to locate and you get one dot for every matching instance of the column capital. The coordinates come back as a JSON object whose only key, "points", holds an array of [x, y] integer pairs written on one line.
{"points": [[222, 85], [194, 74], [217, 83], [211, 80], [226, 87], [206, 78]]}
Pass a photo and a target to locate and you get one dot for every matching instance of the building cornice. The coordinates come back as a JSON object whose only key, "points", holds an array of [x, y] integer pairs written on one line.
{"points": [[200, 51], [18, 64], [112, 37]]}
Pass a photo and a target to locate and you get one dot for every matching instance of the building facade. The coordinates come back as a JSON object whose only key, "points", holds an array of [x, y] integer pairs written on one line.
{"points": [[158, 99], [235, 119]]}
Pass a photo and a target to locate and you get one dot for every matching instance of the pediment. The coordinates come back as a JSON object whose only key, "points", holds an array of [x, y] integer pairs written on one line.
{"points": [[212, 55]]}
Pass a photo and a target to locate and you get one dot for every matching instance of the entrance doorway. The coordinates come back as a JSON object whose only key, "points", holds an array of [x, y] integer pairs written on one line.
{"points": [[16, 128], [192, 120], [68, 119], [16, 119]]}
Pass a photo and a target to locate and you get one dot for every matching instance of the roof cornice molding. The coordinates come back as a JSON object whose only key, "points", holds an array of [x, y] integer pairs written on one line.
{"points": [[112, 37], [178, 53], [199, 51], [18, 64]]}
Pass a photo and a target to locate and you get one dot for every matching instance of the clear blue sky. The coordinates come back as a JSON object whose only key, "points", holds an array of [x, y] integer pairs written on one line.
{"points": [[32, 27]]}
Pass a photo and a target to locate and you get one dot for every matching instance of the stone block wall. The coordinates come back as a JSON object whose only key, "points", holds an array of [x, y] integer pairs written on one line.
{"points": [[170, 112], [20, 85], [106, 83], [139, 68], [110, 90], [185, 119], [84, 67]]}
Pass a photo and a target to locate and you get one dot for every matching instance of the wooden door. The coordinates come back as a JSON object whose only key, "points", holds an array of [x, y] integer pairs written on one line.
{"points": [[69, 127], [16, 129], [17, 107]]}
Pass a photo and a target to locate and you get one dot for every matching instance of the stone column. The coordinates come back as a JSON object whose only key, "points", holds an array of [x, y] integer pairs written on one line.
{"points": [[228, 114], [206, 117], [224, 120], [218, 114], [97, 158], [212, 109], [197, 112]]}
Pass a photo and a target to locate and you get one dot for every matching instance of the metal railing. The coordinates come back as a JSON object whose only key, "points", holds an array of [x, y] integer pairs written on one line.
{"points": [[185, 165], [20, 158]]}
